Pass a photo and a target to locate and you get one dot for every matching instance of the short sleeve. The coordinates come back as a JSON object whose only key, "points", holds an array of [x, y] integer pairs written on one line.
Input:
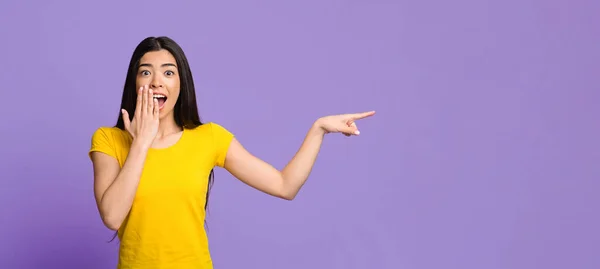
{"points": [[102, 141], [221, 139]]}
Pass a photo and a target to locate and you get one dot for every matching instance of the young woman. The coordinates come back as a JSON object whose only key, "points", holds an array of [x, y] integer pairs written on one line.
{"points": [[153, 170]]}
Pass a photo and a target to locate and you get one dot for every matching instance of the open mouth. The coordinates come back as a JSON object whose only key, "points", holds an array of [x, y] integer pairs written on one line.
{"points": [[161, 100]]}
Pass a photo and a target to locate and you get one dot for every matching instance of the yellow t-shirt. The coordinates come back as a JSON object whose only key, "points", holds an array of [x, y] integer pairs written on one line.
{"points": [[165, 227]]}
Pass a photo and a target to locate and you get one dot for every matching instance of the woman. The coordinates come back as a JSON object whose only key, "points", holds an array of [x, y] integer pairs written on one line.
{"points": [[153, 170]]}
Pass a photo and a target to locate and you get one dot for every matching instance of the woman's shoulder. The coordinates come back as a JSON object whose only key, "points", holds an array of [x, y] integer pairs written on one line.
{"points": [[112, 141], [110, 134], [110, 130]]}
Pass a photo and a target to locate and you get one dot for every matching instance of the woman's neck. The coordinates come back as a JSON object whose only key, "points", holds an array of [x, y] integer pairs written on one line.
{"points": [[167, 126]]}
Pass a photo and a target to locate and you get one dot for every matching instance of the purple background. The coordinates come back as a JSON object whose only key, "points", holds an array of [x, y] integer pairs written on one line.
{"points": [[484, 151]]}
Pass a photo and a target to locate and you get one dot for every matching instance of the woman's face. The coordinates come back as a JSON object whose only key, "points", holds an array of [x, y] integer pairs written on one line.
{"points": [[158, 70]]}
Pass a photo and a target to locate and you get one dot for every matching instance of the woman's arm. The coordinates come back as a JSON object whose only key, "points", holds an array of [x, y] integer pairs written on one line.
{"points": [[287, 182], [115, 188], [264, 177]]}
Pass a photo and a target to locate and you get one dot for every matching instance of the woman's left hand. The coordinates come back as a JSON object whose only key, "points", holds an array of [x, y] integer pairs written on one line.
{"points": [[344, 123]]}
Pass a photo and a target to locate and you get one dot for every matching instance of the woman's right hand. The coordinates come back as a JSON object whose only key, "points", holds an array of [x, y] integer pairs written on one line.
{"points": [[144, 126]]}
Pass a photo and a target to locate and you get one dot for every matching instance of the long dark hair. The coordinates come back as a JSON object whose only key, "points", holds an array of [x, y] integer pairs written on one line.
{"points": [[186, 110]]}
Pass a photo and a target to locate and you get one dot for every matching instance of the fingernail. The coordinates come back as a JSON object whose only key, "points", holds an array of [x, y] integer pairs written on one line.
{"points": [[357, 132]]}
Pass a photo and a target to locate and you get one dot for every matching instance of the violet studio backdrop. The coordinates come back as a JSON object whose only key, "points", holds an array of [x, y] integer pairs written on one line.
{"points": [[483, 153]]}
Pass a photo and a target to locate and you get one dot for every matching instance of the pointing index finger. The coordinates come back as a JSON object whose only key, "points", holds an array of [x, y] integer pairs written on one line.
{"points": [[358, 116]]}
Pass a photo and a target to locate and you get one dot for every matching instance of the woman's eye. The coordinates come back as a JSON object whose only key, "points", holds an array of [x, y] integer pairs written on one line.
{"points": [[169, 73], [145, 73]]}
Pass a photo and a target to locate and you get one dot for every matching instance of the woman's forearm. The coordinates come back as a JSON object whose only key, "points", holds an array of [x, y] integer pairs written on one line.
{"points": [[118, 197], [296, 172]]}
